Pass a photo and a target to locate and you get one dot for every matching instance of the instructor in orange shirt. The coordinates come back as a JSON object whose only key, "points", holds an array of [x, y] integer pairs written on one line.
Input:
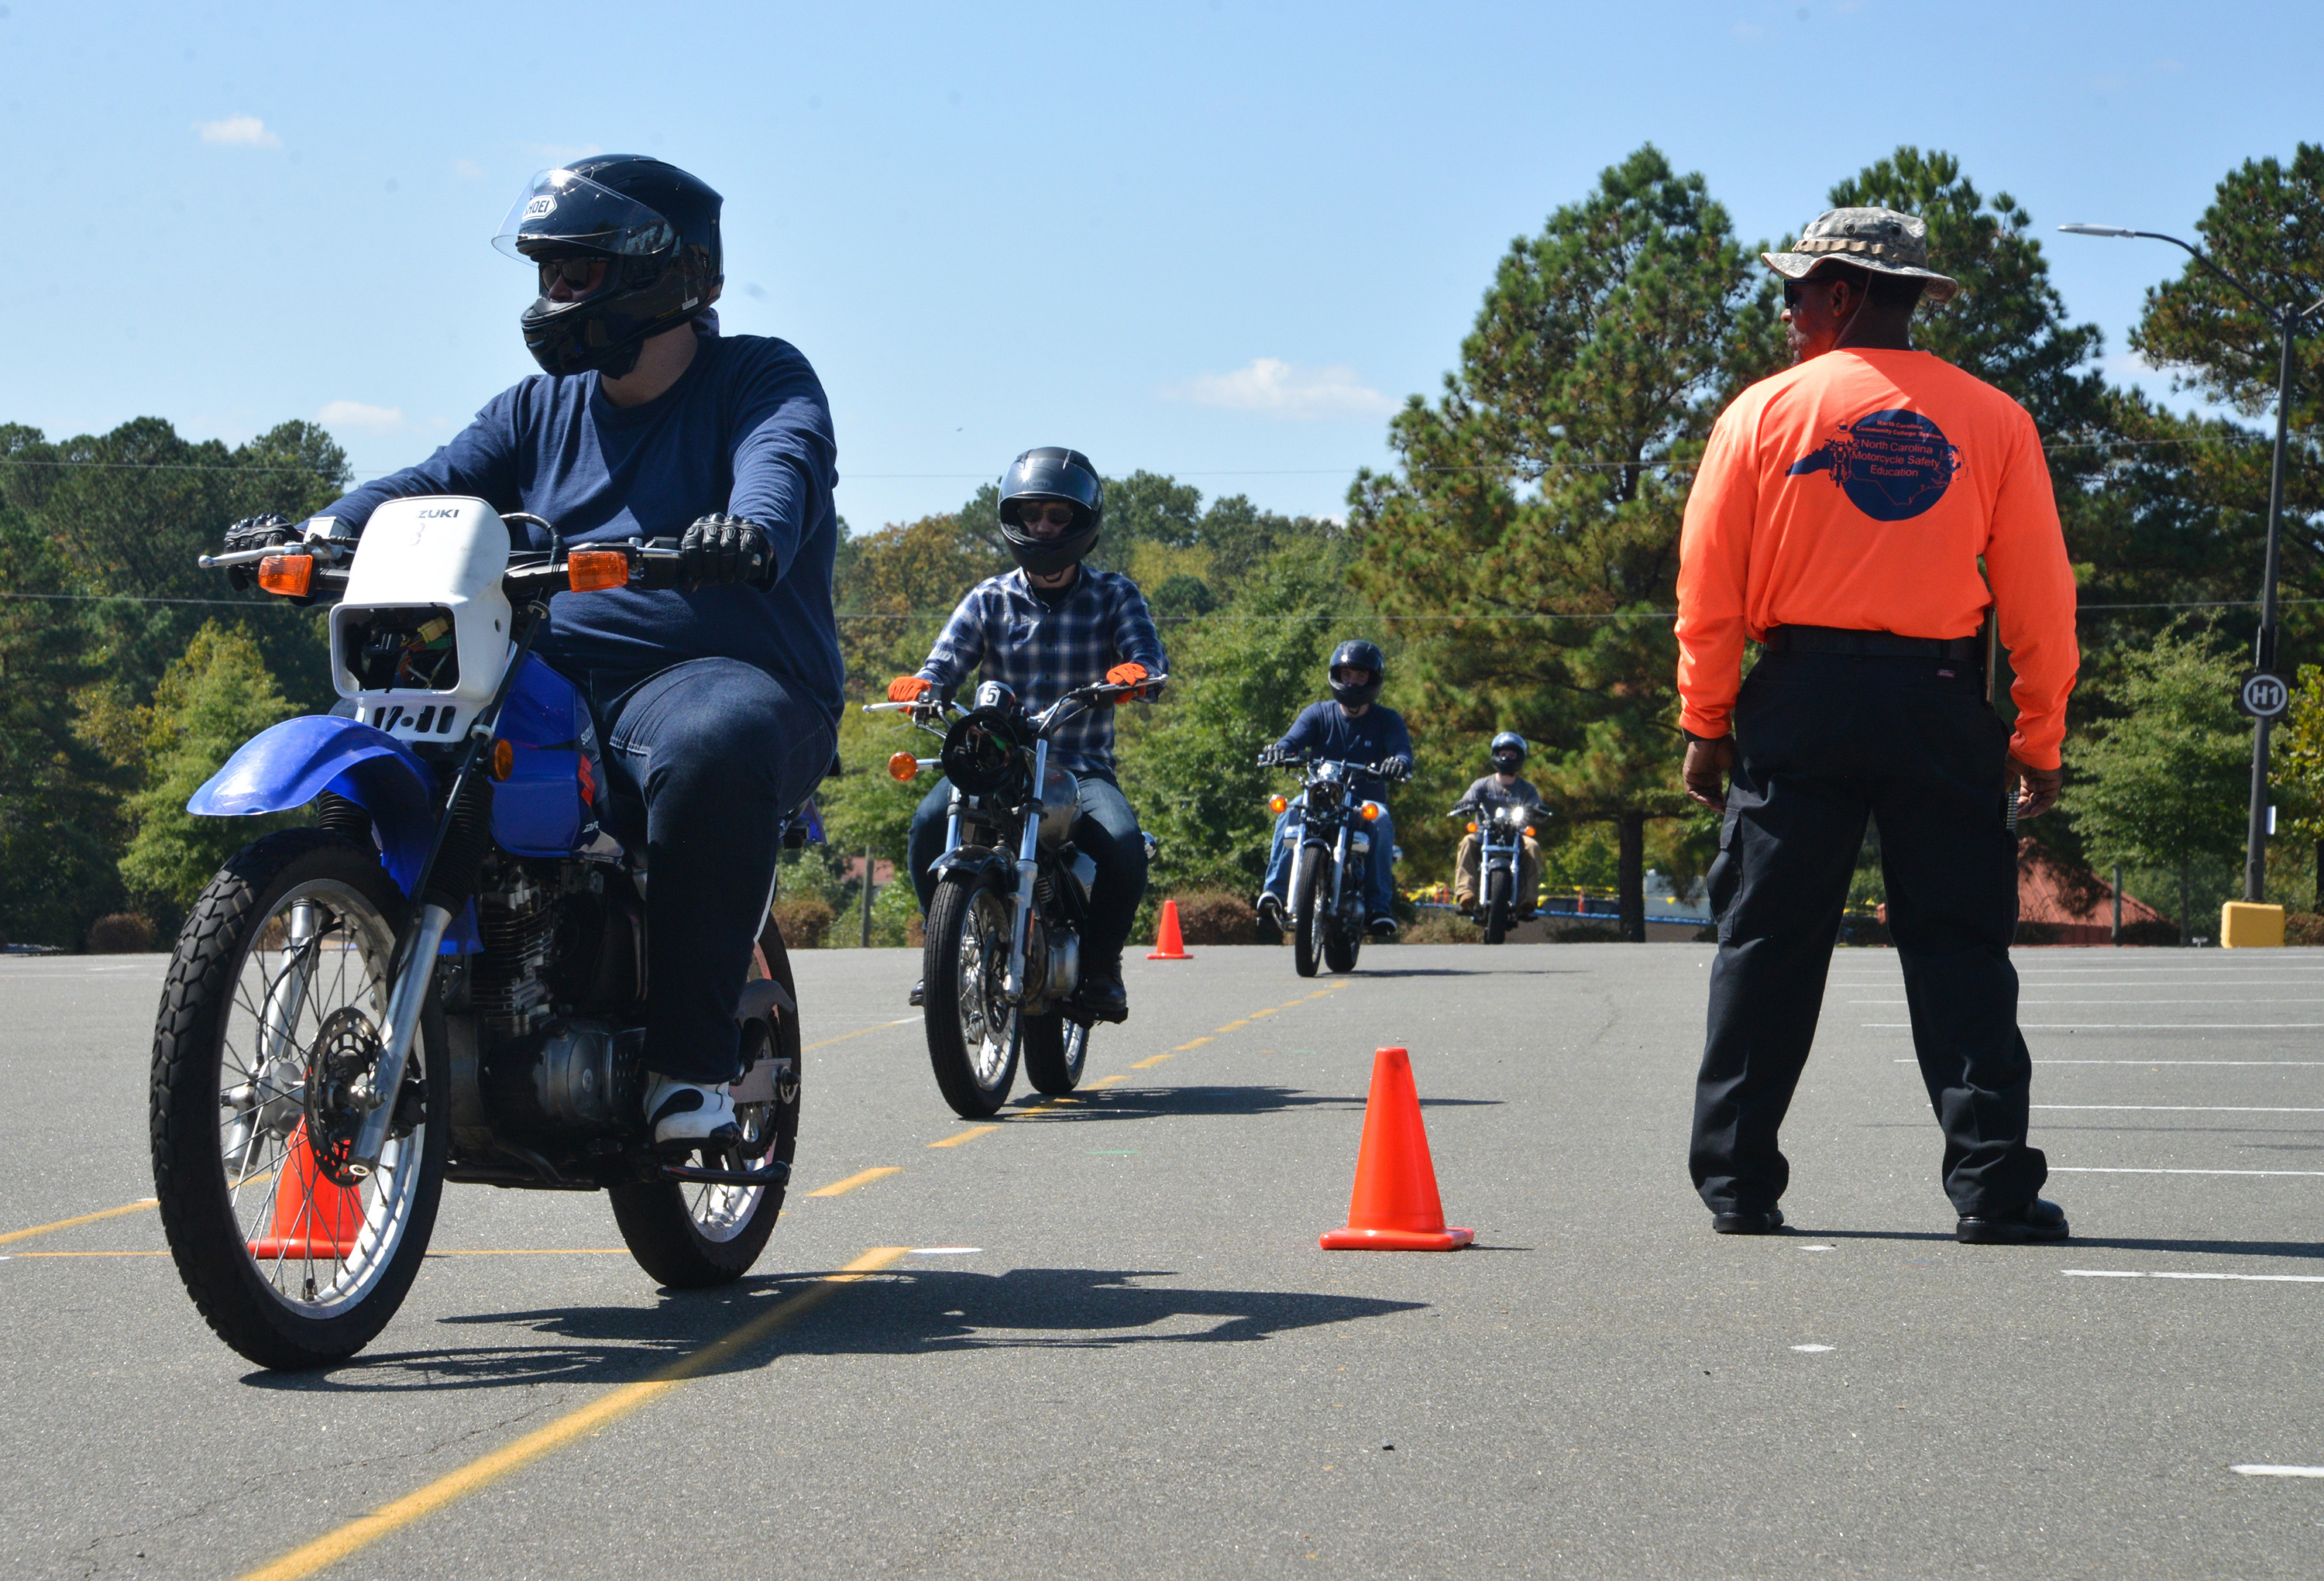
{"points": [[1838, 520]]}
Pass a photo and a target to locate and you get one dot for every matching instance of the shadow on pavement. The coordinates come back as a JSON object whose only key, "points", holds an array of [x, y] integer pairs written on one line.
{"points": [[1467, 971], [1136, 1103], [907, 1312]]}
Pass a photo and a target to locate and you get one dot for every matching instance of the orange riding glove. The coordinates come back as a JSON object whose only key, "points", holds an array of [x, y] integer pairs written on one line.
{"points": [[909, 688], [1124, 675]]}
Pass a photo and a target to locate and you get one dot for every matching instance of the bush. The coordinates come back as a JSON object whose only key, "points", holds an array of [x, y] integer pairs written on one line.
{"points": [[1212, 916], [1441, 927], [803, 921], [123, 932], [2300, 927], [1585, 933]]}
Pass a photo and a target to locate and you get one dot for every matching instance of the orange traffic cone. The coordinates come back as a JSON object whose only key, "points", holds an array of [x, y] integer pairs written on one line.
{"points": [[1394, 1207], [315, 1218], [1167, 943]]}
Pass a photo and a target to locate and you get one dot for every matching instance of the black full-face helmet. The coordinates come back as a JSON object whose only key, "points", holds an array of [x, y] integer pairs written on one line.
{"points": [[652, 226], [1356, 654], [1038, 478], [1510, 750]]}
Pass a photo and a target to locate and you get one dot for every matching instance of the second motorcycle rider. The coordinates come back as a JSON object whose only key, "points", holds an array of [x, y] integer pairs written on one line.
{"points": [[1042, 629]]}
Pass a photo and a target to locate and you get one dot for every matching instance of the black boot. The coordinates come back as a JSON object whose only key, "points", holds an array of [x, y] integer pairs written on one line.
{"points": [[1102, 997]]}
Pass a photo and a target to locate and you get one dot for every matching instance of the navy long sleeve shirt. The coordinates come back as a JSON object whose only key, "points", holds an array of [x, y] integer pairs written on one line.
{"points": [[745, 431], [1326, 729]]}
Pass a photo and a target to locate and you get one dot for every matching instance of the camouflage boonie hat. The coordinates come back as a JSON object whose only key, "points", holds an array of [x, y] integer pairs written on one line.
{"points": [[1879, 239]]}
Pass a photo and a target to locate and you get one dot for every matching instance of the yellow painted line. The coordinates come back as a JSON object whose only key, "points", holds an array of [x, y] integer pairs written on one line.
{"points": [[41, 1229], [1257, 1014], [1198, 1042], [1108, 1081], [862, 1178], [359, 1534], [15, 1255], [1231, 1025], [1149, 1062], [494, 1252], [971, 1135], [859, 1032]]}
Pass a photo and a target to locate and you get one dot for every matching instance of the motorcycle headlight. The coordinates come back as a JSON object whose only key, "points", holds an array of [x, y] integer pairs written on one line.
{"points": [[982, 753]]}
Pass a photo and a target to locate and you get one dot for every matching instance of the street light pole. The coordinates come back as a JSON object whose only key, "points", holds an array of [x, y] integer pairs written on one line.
{"points": [[2287, 322]]}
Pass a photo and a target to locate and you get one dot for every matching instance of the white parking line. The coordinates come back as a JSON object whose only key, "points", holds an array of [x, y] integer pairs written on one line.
{"points": [[2253, 1278], [2184, 1108], [2277, 1470], [2050, 1061], [2119, 1002], [2138, 1026], [2092, 1169]]}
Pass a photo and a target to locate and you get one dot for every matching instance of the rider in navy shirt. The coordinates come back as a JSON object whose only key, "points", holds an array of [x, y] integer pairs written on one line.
{"points": [[1351, 728], [715, 702]]}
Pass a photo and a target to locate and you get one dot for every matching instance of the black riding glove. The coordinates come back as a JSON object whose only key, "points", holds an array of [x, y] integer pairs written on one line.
{"points": [[720, 550], [1397, 770], [256, 532]]}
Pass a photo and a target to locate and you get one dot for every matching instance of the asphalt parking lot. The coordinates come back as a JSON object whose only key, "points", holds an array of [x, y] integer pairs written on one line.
{"points": [[1099, 1339]]}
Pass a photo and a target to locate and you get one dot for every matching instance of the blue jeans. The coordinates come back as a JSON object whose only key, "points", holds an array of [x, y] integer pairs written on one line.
{"points": [[702, 760], [1379, 871], [1106, 828]]}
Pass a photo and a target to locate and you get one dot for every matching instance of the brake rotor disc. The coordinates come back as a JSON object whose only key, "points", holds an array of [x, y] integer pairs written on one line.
{"points": [[346, 1048]]}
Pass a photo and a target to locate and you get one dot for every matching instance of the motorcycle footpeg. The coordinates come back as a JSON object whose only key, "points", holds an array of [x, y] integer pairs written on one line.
{"points": [[773, 1172]]}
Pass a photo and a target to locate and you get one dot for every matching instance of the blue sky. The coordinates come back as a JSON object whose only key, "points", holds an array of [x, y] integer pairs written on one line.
{"points": [[1216, 239]]}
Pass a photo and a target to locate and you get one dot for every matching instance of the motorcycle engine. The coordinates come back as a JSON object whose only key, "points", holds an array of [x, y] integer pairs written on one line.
{"points": [[572, 1079]]}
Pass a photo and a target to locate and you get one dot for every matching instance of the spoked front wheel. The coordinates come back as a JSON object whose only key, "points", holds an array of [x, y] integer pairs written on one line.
{"points": [[974, 1034], [273, 1013]]}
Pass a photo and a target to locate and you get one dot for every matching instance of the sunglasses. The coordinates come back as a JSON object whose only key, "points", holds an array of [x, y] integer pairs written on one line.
{"points": [[1055, 515], [576, 273]]}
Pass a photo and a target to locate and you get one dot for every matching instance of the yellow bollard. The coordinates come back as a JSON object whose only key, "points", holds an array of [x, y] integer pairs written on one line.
{"points": [[2245, 925]]}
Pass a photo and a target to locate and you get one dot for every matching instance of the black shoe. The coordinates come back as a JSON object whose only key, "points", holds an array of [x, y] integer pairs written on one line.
{"points": [[2031, 1222], [919, 995], [1767, 1222], [1467, 907], [1381, 927], [1270, 910], [1103, 998]]}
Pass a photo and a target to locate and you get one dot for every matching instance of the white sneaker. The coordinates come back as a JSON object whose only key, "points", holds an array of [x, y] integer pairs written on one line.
{"points": [[686, 1114]]}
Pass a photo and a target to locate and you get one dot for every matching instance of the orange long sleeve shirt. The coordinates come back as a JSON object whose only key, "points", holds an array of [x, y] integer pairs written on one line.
{"points": [[1859, 490]]}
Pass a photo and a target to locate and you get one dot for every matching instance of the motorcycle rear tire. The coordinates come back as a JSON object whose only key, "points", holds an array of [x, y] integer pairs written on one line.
{"points": [[962, 905], [688, 1236], [205, 987], [1343, 940], [1305, 921], [1056, 1049], [1496, 908]]}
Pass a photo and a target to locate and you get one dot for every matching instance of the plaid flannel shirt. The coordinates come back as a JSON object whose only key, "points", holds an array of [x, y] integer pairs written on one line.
{"points": [[1042, 653]]}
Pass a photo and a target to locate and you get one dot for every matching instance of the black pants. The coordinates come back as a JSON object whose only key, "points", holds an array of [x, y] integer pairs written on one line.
{"points": [[1106, 828], [702, 761], [1824, 739]]}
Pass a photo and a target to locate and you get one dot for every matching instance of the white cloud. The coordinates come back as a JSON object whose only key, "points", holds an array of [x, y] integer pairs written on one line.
{"points": [[1280, 390], [238, 132], [362, 418], [564, 153]]}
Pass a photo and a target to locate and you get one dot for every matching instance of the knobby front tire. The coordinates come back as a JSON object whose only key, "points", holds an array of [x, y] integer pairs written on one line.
{"points": [[274, 1002]]}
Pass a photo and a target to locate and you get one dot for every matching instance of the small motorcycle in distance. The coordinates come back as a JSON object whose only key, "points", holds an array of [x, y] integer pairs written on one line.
{"points": [[1502, 830], [444, 978], [1326, 905], [1002, 957]]}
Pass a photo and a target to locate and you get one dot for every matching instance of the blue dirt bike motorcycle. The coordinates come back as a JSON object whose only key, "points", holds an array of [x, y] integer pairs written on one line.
{"points": [[1333, 829], [443, 978]]}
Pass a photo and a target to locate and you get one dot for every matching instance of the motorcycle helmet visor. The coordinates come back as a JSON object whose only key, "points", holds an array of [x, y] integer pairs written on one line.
{"points": [[561, 214]]}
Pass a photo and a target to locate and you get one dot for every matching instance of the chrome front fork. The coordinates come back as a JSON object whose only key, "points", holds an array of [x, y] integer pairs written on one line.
{"points": [[1028, 869], [404, 1003]]}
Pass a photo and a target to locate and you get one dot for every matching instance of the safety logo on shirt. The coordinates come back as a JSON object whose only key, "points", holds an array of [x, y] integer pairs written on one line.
{"points": [[1892, 466]]}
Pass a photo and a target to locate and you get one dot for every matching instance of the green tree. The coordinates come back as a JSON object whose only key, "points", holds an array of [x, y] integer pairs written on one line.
{"points": [[217, 695], [2165, 785], [1533, 531]]}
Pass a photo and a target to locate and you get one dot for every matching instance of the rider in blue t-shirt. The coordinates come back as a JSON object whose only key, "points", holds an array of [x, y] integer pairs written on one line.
{"points": [[1351, 728], [716, 703]]}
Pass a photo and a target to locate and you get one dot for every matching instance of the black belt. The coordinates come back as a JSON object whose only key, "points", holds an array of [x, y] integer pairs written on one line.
{"points": [[1871, 644]]}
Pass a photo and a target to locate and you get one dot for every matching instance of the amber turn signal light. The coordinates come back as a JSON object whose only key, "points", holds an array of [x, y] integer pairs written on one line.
{"points": [[1276, 803], [289, 575], [1528, 832], [1372, 811], [504, 760], [903, 766], [1472, 826], [592, 569]]}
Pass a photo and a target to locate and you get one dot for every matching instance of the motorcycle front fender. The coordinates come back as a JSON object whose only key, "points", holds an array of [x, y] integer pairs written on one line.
{"points": [[289, 765], [977, 864]]}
